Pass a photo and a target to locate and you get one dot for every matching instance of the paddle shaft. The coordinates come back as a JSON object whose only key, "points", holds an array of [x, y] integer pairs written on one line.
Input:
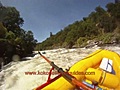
{"points": [[66, 75]]}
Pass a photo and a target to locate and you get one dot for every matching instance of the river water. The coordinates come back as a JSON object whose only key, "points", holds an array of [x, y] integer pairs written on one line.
{"points": [[14, 77]]}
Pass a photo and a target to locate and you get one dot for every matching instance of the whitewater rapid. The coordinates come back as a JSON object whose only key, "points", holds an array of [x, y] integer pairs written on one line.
{"points": [[13, 76]]}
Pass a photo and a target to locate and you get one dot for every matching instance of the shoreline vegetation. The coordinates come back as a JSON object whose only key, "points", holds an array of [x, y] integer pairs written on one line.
{"points": [[99, 28], [14, 40]]}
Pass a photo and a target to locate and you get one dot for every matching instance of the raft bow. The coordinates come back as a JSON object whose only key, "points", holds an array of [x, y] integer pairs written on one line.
{"points": [[101, 80]]}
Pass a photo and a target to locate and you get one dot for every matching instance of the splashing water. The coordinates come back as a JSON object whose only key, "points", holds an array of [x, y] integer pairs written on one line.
{"points": [[13, 76]]}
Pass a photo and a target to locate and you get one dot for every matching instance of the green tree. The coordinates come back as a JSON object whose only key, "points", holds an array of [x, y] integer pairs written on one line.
{"points": [[114, 10], [3, 30], [99, 25], [13, 38], [12, 19]]}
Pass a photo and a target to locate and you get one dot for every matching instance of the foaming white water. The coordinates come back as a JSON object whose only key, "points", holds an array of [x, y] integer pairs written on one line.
{"points": [[13, 76]]}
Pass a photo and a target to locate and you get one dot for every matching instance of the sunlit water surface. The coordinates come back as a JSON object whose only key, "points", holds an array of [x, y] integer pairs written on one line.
{"points": [[13, 76]]}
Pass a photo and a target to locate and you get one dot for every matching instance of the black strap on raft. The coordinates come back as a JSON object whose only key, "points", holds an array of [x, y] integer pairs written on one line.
{"points": [[67, 76]]}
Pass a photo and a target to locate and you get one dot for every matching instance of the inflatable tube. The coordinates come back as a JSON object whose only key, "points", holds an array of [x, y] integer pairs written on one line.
{"points": [[103, 78], [93, 60]]}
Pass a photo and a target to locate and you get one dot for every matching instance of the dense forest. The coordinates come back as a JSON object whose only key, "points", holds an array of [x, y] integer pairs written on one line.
{"points": [[13, 39], [102, 26]]}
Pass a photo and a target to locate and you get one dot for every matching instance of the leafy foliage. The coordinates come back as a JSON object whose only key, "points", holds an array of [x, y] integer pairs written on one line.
{"points": [[102, 25], [14, 39]]}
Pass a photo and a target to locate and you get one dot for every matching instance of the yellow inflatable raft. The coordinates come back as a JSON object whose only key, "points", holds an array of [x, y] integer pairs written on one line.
{"points": [[91, 70]]}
